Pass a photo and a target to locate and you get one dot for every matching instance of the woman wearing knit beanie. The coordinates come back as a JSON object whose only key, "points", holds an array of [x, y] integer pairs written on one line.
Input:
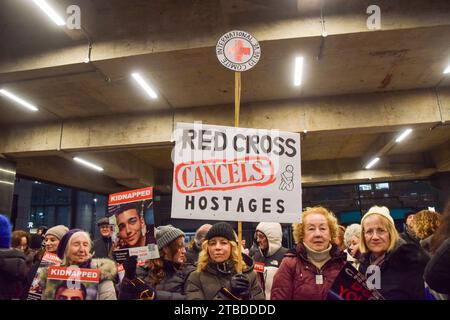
{"points": [[399, 266], [217, 275], [51, 240], [53, 236], [74, 249], [163, 278]]}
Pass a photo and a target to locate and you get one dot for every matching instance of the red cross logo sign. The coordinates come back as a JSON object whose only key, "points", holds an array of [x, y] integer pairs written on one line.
{"points": [[238, 50]]}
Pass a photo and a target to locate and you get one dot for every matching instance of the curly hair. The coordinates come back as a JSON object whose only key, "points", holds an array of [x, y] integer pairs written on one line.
{"points": [[204, 258], [299, 230], [426, 223], [443, 232]]}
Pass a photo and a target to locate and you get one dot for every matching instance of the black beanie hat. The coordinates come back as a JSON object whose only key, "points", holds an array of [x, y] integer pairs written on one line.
{"points": [[221, 229]]}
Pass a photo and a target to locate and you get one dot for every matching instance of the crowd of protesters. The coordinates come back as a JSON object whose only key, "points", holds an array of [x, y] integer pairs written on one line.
{"points": [[413, 265]]}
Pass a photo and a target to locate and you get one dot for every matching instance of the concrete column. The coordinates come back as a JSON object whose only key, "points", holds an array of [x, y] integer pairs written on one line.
{"points": [[7, 178]]}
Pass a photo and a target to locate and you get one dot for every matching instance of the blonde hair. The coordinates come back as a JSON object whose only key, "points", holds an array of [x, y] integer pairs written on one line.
{"points": [[426, 223], [204, 258], [299, 230], [393, 234], [65, 260]]}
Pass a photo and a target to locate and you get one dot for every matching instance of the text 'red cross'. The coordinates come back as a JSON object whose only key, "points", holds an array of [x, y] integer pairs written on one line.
{"points": [[239, 50]]}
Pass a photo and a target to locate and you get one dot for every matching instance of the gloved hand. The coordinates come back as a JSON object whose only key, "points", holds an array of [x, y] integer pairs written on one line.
{"points": [[129, 266], [136, 289], [240, 285]]}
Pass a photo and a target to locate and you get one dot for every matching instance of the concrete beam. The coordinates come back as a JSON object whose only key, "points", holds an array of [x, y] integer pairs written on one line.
{"points": [[61, 171], [368, 113], [126, 169], [270, 22], [347, 171], [441, 156]]}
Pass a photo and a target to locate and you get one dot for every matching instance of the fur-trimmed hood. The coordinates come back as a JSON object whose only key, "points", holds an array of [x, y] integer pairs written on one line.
{"points": [[274, 235], [107, 267]]}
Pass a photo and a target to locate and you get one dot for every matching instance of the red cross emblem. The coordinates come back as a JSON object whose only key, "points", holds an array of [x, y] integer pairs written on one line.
{"points": [[238, 50]]}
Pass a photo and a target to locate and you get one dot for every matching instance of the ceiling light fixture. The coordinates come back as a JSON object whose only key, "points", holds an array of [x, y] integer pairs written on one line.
{"points": [[88, 164], [6, 182], [7, 171], [298, 72], [20, 101], [144, 85], [50, 12], [447, 70], [372, 162], [403, 135]]}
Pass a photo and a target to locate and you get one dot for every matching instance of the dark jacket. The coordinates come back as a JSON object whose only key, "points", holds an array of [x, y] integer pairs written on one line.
{"points": [[426, 244], [437, 271], [296, 277], [13, 274], [103, 248], [401, 272], [173, 284], [171, 287], [209, 283], [192, 254], [409, 236]]}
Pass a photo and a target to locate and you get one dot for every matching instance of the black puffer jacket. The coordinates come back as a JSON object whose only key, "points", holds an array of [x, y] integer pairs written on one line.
{"points": [[173, 284], [437, 272], [171, 287], [13, 274], [401, 272], [208, 284]]}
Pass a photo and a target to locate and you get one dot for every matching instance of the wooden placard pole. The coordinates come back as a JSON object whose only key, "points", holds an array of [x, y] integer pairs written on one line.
{"points": [[237, 105]]}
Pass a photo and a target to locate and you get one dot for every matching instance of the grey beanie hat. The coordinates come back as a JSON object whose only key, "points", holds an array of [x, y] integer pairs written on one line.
{"points": [[166, 234], [57, 231]]}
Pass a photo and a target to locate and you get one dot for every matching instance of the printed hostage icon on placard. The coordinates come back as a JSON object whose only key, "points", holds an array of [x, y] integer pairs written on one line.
{"points": [[238, 50]]}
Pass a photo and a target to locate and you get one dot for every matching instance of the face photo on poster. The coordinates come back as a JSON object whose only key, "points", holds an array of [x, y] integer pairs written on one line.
{"points": [[37, 287], [71, 283], [131, 214]]}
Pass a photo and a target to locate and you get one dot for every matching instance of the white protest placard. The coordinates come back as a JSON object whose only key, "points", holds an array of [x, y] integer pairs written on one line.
{"points": [[236, 174]]}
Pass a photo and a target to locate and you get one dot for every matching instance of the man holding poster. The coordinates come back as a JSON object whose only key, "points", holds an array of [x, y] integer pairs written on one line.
{"points": [[132, 212]]}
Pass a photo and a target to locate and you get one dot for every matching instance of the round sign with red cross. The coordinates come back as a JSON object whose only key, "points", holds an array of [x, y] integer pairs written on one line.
{"points": [[238, 50]]}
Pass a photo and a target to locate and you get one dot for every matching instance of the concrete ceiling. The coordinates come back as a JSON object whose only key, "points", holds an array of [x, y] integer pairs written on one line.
{"points": [[360, 87]]}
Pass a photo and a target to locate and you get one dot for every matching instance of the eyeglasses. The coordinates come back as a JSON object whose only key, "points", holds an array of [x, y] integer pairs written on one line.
{"points": [[380, 232]]}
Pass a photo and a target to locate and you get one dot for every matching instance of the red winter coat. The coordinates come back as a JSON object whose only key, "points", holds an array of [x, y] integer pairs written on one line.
{"points": [[296, 276]]}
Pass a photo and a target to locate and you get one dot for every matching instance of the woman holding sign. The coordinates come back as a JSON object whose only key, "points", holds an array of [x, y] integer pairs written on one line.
{"points": [[163, 278], [308, 272], [74, 249], [217, 276]]}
